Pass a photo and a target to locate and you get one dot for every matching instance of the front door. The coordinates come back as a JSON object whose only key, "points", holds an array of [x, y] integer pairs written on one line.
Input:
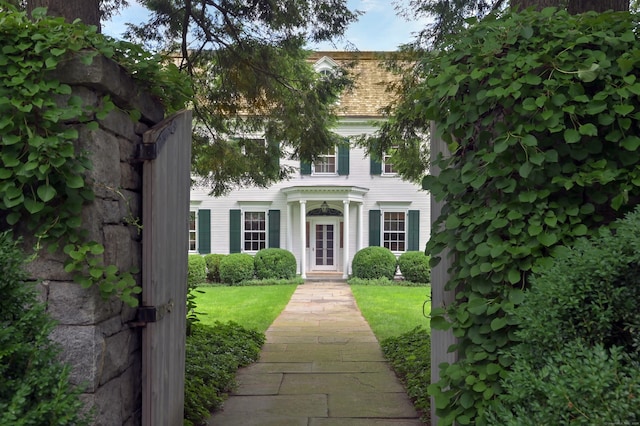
{"points": [[323, 245]]}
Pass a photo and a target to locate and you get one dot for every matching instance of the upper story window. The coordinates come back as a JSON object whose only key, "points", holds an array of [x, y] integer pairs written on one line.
{"points": [[387, 164], [333, 163], [326, 163]]}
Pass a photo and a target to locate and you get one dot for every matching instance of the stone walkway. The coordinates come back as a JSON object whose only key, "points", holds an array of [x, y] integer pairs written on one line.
{"points": [[321, 365]]}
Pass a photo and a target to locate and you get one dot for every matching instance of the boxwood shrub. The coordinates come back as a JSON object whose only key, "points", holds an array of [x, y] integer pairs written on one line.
{"points": [[236, 267], [34, 385], [414, 266], [373, 263], [275, 263], [197, 271], [213, 266]]}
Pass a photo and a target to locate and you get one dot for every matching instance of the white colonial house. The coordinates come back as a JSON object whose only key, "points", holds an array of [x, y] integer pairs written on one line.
{"points": [[330, 209]]}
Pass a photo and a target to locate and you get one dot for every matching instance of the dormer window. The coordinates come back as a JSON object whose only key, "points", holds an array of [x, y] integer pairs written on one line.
{"points": [[326, 66]]}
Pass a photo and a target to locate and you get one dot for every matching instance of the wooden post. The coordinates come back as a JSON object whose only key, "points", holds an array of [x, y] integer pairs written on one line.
{"points": [[440, 340]]}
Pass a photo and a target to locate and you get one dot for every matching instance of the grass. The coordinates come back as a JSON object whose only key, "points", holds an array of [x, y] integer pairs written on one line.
{"points": [[252, 307], [392, 310]]}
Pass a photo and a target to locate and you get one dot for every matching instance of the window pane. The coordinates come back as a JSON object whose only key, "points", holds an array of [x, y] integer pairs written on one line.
{"points": [[393, 235], [192, 231], [255, 235]]}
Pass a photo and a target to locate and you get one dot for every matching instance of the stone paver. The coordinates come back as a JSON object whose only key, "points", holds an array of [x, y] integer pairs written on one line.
{"points": [[321, 365]]}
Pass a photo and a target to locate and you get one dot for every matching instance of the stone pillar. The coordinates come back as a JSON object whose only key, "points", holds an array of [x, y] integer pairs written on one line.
{"points": [[99, 338]]}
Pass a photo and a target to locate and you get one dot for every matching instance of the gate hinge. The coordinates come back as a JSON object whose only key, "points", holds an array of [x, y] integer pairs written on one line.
{"points": [[146, 314]]}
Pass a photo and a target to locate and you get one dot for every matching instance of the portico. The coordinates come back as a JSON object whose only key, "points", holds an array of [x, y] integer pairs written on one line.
{"points": [[325, 226]]}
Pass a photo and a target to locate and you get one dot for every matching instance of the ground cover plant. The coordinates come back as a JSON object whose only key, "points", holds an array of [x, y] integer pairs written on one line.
{"points": [[34, 386], [213, 355], [410, 357]]}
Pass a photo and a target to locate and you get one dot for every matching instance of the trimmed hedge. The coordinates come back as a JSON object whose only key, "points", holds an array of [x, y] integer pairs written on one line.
{"points": [[213, 266], [414, 266], [373, 263], [197, 271], [34, 385], [275, 263], [236, 267]]}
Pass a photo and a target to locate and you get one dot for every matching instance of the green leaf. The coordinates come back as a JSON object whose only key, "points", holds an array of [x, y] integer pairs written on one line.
{"points": [[498, 323], [630, 143], [10, 139], [623, 109], [588, 129], [32, 205], [547, 239], [75, 181], [513, 276], [525, 169], [590, 74], [571, 136], [46, 192]]}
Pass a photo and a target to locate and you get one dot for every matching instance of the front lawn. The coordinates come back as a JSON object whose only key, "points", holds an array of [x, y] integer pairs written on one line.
{"points": [[393, 310], [253, 307]]}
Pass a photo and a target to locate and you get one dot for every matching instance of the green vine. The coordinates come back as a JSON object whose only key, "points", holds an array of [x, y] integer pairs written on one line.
{"points": [[540, 112], [42, 173]]}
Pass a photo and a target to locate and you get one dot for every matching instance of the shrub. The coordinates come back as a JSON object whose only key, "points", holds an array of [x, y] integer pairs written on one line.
{"points": [[410, 356], [579, 356], [197, 272], [213, 355], [275, 263], [236, 267], [414, 266], [374, 262], [213, 266], [34, 386]]}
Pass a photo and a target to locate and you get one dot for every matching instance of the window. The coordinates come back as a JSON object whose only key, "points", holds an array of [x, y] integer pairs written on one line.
{"points": [[193, 231], [325, 163], [387, 164], [255, 231], [394, 234]]}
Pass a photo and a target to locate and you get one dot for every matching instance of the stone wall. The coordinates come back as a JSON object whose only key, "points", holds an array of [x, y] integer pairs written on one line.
{"points": [[100, 338]]}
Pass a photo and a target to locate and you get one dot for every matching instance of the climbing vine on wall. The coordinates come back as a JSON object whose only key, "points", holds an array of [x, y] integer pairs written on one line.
{"points": [[42, 172], [540, 112]]}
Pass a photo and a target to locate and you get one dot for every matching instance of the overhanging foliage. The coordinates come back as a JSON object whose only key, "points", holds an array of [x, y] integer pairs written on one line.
{"points": [[540, 112]]}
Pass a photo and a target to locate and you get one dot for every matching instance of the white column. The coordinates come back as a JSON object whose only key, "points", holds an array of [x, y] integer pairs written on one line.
{"points": [[345, 250], [303, 239], [360, 229], [289, 228]]}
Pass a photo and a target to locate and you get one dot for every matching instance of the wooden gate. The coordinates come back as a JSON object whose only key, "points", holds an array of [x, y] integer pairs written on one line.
{"points": [[166, 151]]}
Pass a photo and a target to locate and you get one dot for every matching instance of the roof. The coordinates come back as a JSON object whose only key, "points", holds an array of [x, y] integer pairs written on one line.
{"points": [[372, 81]]}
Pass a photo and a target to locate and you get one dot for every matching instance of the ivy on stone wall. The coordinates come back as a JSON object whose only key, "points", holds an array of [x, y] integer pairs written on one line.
{"points": [[540, 111], [42, 171]]}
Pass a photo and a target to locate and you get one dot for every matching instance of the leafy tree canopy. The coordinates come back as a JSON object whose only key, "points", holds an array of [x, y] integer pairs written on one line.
{"points": [[247, 61]]}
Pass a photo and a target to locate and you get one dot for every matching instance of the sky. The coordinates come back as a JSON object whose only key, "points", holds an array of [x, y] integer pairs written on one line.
{"points": [[378, 29]]}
